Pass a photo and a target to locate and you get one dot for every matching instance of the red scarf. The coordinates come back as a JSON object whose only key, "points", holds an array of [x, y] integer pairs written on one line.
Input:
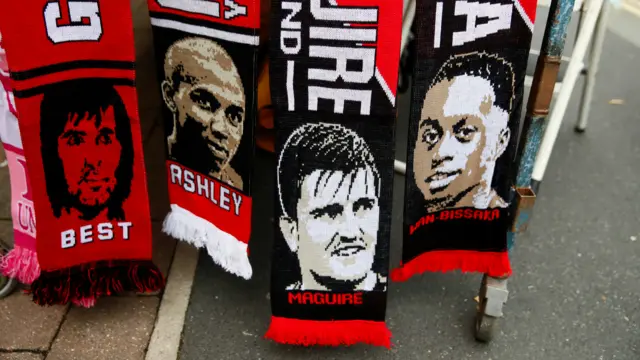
{"points": [[72, 70]]}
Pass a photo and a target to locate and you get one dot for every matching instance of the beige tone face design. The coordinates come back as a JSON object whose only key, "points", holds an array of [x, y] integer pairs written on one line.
{"points": [[335, 234], [460, 136], [210, 98]]}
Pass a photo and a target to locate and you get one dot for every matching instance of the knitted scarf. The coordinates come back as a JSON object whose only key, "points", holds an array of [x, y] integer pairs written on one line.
{"points": [[467, 94], [20, 262], [206, 55], [334, 67], [72, 71]]}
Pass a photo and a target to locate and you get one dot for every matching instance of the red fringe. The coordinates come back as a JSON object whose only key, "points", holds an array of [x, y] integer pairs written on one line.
{"points": [[332, 333], [20, 263], [494, 264], [84, 302], [84, 284]]}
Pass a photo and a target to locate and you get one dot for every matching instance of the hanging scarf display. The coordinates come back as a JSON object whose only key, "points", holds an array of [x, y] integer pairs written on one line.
{"points": [[334, 68], [207, 66], [72, 71], [20, 262], [467, 95]]}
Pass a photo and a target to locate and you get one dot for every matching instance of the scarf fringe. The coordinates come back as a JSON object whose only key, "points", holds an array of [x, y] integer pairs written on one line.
{"points": [[88, 302], [494, 264], [20, 263], [225, 250], [331, 333], [84, 284]]}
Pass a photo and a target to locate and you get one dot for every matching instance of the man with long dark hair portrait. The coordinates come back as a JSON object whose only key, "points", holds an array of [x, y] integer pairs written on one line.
{"points": [[463, 130], [87, 149]]}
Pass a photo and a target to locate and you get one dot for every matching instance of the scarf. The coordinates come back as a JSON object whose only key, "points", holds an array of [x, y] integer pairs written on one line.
{"points": [[464, 122], [72, 71], [207, 65], [333, 74], [20, 262]]}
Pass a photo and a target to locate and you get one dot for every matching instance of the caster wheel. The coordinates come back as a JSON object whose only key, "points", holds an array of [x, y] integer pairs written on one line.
{"points": [[7, 285], [485, 327]]}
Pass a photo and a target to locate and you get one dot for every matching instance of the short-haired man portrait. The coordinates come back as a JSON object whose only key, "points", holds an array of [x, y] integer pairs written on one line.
{"points": [[204, 91], [329, 189], [462, 132], [87, 149]]}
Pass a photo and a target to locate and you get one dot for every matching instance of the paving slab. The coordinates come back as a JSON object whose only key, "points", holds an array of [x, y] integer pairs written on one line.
{"points": [[27, 326], [21, 356], [116, 328], [6, 233], [574, 292], [163, 248]]}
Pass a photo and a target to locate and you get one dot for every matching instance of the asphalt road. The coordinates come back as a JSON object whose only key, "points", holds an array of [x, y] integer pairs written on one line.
{"points": [[575, 291]]}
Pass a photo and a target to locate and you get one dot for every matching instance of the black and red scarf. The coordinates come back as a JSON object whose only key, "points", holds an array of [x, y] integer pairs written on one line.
{"points": [[73, 74], [206, 56], [333, 73], [467, 94]]}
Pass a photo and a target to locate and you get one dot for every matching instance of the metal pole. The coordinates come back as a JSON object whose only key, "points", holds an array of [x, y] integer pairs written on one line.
{"points": [[568, 83], [594, 64], [544, 81]]}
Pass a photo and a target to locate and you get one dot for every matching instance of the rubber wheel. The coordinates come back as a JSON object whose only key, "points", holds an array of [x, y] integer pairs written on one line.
{"points": [[485, 324], [7, 285], [485, 327]]}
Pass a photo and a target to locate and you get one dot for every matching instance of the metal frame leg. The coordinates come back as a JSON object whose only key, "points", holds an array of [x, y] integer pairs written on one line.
{"points": [[492, 297], [593, 65], [568, 83]]}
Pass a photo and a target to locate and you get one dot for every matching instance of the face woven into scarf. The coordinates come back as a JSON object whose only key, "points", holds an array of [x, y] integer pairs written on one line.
{"points": [[469, 88], [333, 77], [206, 62], [74, 84]]}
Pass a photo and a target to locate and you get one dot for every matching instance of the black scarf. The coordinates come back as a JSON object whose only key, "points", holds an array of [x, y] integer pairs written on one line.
{"points": [[467, 95], [335, 147]]}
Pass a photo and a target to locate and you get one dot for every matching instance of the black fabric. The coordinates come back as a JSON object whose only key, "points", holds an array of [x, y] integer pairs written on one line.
{"points": [[319, 229], [463, 88]]}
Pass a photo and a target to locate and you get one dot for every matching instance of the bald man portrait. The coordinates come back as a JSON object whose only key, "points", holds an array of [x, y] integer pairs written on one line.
{"points": [[462, 132], [203, 90]]}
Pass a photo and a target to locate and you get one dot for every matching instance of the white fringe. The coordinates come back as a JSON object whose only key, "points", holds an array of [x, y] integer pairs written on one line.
{"points": [[226, 251]]}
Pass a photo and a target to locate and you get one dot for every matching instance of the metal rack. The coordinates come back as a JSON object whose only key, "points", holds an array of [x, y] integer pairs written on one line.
{"points": [[538, 135]]}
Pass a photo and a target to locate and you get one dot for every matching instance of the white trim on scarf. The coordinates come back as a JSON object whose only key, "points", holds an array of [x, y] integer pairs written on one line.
{"points": [[385, 87], [205, 31], [226, 251]]}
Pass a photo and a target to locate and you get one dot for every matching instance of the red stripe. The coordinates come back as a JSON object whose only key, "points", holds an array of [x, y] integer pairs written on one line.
{"points": [[251, 20], [73, 74], [494, 264], [13, 149], [328, 332]]}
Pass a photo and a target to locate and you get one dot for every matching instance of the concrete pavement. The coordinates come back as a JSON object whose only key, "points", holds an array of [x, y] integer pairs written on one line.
{"points": [[575, 289]]}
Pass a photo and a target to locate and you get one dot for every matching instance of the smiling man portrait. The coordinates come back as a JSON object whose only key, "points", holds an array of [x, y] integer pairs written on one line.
{"points": [[463, 130]]}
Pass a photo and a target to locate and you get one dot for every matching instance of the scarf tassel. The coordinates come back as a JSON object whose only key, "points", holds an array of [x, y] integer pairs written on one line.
{"points": [[20, 263], [495, 264], [331, 333], [83, 285]]}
